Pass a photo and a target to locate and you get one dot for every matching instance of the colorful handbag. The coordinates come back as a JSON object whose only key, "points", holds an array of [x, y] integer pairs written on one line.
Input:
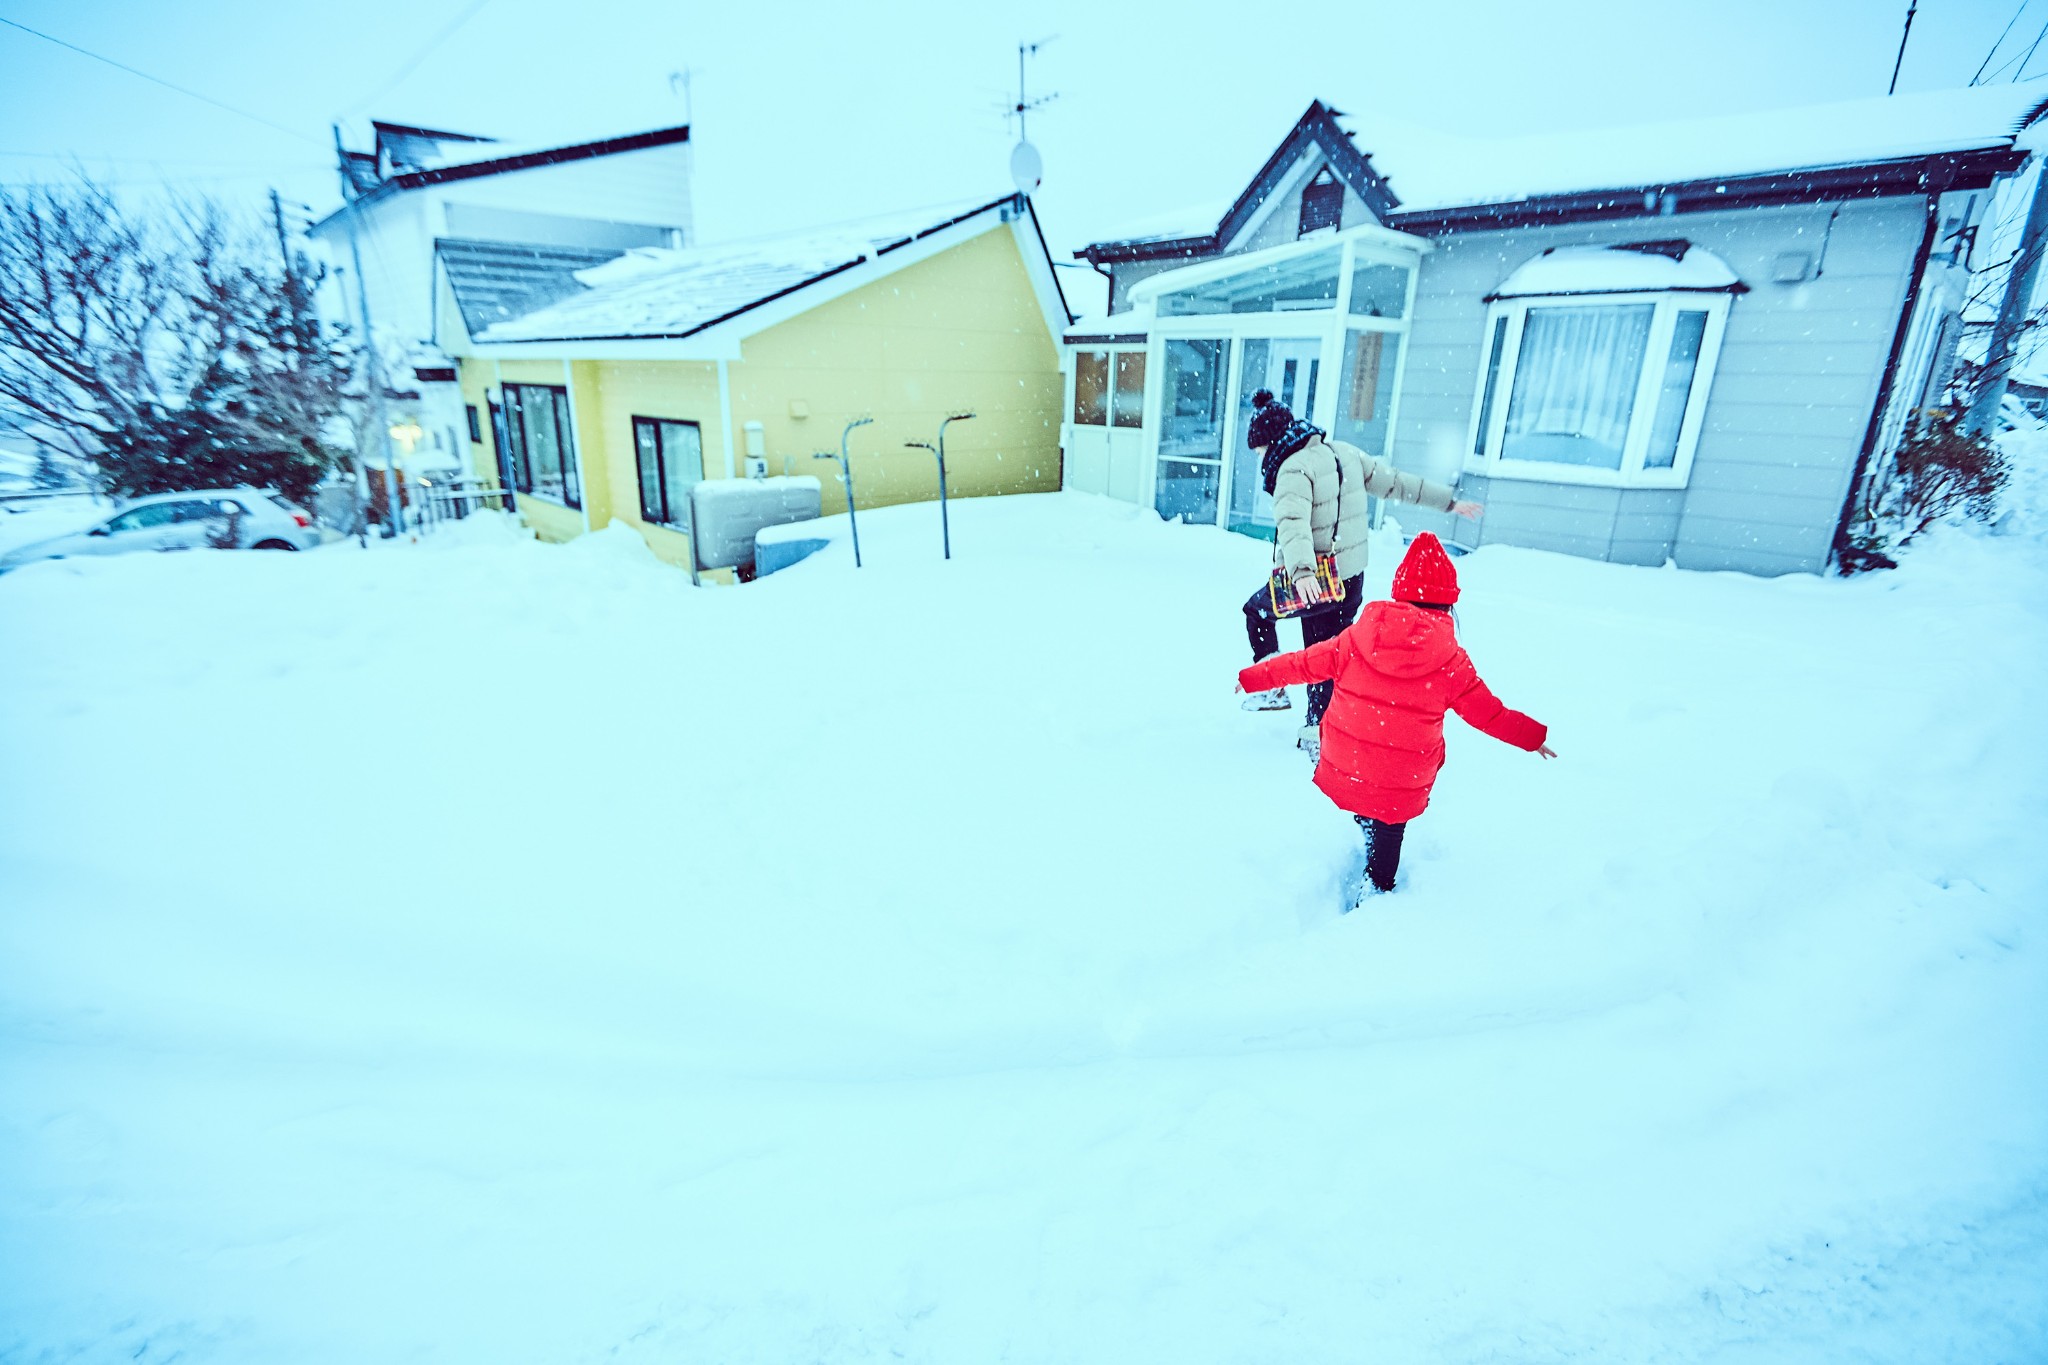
{"points": [[1287, 601], [1280, 587]]}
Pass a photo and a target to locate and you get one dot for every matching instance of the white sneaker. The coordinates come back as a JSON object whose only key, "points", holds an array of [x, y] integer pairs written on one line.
{"points": [[1310, 742], [1272, 699]]}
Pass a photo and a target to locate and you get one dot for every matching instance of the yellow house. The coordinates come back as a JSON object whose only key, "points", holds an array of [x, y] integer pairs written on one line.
{"points": [[601, 385]]}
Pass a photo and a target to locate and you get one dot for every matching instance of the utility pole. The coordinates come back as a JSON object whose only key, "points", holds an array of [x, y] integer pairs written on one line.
{"points": [[291, 285], [2012, 313], [376, 365], [1912, 8]]}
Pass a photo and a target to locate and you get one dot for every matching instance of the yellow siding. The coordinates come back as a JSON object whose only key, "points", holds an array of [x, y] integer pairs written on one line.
{"points": [[961, 331], [679, 390]]}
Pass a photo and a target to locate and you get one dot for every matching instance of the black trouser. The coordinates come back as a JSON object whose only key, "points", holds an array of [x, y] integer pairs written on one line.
{"points": [[1317, 625], [1382, 849]]}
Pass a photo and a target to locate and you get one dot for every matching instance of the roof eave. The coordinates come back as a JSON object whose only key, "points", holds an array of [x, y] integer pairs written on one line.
{"points": [[1936, 173], [1931, 173], [553, 156]]}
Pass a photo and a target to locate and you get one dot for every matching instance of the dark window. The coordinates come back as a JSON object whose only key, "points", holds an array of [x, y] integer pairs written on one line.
{"points": [[670, 456], [1322, 203], [1128, 406], [1091, 388], [476, 426], [541, 442]]}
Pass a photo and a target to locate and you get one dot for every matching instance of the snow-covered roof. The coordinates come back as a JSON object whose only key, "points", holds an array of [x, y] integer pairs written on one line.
{"points": [[1619, 270], [1427, 169], [1098, 325], [496, 282], [674, 291]]}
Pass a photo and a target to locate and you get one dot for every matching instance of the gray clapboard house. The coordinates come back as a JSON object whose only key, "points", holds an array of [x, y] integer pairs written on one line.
{"points": [[1685, 342]]}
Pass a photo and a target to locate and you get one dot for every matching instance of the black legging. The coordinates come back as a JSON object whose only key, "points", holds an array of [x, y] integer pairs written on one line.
{"points": [[1382, 849], [1317, 625]]}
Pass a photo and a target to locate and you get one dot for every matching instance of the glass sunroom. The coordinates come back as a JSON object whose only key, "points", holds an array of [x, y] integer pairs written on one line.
{"points": [[1322, 322]]}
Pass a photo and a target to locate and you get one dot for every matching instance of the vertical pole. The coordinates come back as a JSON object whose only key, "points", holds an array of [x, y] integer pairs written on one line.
{"points": [[846, 469], [2012, 313], [725, 419], [1911, 7], [945, 528], [576, 443], [376, 375]]}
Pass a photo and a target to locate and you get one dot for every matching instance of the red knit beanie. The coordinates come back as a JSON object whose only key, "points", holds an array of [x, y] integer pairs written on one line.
{"points": [[1426, 574]]}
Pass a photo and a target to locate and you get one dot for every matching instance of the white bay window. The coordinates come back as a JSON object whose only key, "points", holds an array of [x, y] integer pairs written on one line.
{"points": [[1588, 380]]}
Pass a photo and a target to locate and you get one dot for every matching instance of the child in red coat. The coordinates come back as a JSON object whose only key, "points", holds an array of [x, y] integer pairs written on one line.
{"points": [[1397, 670]]}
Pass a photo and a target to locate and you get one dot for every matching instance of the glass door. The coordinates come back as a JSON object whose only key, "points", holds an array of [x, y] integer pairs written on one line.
{"points": [[1191, 429], [1292, 368]]}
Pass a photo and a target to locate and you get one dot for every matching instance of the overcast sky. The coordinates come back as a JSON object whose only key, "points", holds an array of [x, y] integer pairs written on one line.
{"points": [[813, 113]]}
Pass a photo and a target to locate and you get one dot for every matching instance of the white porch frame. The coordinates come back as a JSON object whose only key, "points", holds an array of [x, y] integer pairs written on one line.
{"points": [[1366, 244]]}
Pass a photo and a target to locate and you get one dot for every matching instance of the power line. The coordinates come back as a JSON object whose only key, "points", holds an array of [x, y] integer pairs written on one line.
{"points": [[2001, 40], [158, 80], [443, 36], [158, 160], [2030, 52]]}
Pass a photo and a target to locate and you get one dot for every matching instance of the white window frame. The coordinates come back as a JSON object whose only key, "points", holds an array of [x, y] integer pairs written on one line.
{"points": [[1486, 459]]}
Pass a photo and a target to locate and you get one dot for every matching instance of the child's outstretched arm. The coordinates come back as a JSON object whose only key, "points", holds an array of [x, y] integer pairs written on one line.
{"points": [[1480, 709], [1317, 663]]}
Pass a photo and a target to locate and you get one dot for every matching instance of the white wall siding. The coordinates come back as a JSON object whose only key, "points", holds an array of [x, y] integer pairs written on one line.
{"points": [[649, 187], [1799, 373]]}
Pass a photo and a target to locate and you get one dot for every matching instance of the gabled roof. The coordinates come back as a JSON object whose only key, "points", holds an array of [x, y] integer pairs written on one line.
{"points": [[667, 293], [400, 144], [494, 282], [1421, 180], [438, 167], [495, 159]]}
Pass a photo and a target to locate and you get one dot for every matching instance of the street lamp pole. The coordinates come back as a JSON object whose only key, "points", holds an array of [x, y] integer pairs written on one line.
{"points": [[846, 474]]}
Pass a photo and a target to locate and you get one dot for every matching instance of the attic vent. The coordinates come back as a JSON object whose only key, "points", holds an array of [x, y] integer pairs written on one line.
{"points": [[1322, 203]]}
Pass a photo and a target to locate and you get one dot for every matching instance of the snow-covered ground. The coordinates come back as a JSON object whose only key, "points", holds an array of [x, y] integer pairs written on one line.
{"points": [[41, 518], [484, 951]]}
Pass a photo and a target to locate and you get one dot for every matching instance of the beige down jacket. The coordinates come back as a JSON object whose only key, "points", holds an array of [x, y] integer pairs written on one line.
{"points": [[1308, 507]]}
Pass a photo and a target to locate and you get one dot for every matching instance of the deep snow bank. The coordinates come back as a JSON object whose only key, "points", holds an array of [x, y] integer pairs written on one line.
{"points": [[491, 950]]}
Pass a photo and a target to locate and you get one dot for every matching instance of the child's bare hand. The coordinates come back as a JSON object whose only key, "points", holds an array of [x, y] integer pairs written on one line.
{"points": [[1470, 511], [1545, 751], [1309, 588]]}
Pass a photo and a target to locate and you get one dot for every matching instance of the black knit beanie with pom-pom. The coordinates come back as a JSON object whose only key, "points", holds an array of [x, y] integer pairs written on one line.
{"points": [[1279, 431]]}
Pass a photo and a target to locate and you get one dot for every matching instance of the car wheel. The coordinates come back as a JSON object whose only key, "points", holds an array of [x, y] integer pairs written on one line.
{"points": [[274, 545]]}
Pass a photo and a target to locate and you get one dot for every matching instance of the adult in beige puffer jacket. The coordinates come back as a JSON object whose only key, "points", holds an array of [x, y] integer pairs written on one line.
{"points": [[1320, 487]]}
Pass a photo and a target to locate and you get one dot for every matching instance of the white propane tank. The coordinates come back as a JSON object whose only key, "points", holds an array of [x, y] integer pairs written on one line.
{"points": [[757, 450]]}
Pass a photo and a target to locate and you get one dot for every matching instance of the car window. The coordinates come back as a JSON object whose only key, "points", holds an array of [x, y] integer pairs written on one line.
{"points": [[142, 518], [195, 511]]}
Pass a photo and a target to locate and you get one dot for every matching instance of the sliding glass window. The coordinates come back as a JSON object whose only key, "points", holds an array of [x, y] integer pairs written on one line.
{"points": [[542, 442], [670, 456]]}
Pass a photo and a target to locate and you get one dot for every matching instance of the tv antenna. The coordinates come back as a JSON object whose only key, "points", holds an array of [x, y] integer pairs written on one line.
{"points": [[1027, 168], [1025, 104], [679, 84]]}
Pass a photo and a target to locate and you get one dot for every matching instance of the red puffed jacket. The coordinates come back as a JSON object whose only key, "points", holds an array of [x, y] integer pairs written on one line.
{"points": [[1397, 670]]}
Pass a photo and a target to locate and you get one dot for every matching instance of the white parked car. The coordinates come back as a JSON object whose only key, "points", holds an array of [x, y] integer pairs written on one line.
{"points": [[220, 518]]}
